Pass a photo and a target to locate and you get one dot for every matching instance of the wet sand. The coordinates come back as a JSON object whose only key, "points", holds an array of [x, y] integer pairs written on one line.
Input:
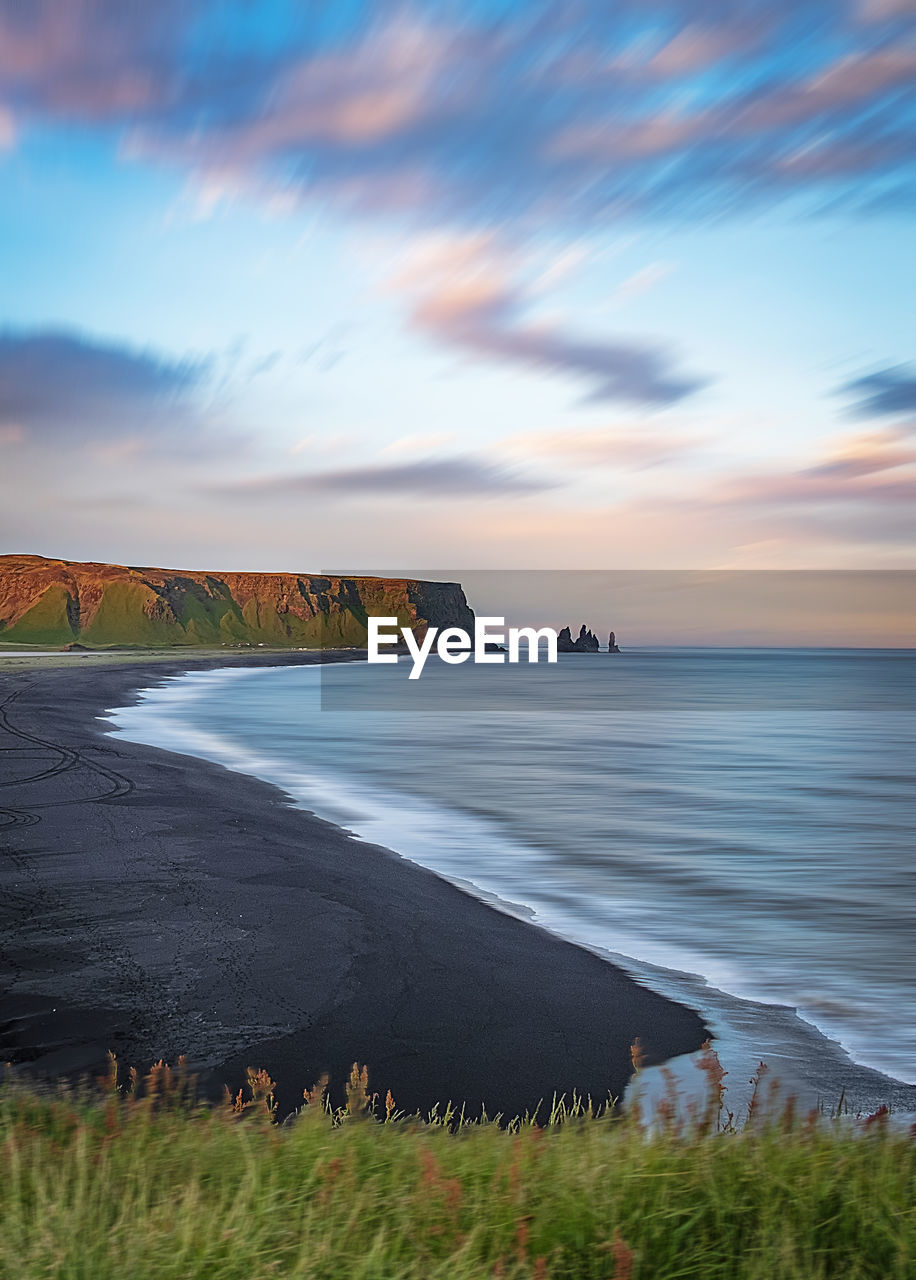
{"points": [[155, 904]]}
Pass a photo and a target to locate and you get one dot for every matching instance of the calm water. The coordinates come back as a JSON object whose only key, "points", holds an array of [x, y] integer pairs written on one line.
{"points": [[744, 816]]}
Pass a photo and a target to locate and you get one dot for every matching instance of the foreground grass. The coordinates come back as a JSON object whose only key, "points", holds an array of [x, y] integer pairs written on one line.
{"points": [[158, 1188]]}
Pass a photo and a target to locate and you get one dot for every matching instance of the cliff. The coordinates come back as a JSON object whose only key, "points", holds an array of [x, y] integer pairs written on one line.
{"points": [[61, 602]]}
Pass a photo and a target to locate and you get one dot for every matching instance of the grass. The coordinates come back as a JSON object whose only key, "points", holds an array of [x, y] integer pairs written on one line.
{"points": [[189, 616], [158, 1187], [47, 622]]}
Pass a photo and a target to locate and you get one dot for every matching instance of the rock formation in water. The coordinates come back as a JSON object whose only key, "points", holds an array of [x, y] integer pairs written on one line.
{"points": [[65, 603], [585, 642]]}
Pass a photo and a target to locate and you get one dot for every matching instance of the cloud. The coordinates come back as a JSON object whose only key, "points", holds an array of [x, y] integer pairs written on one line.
{"points": [[56, 383], [866, 455], [879, 10], [7, 130], [562, 116], [419, 443], [614, 448], [265, 364], [96, 60], [442, 477], [889, 391], [814, 488], [840, 85], [467, 298], [642, 281], [861, 490], [619, 371]]}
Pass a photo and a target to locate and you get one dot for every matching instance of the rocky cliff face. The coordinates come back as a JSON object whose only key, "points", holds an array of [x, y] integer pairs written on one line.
{"points": [[59, 602]]}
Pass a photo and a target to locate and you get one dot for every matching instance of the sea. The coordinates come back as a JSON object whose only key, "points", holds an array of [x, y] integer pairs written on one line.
{"points": [[735, 827]]}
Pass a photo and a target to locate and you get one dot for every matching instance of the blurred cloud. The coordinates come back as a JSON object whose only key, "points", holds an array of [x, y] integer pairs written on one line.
{"points": [[624, 448], [621, 371], [497, 136], [462, 116], [421, 443], [437, 477], [879, 10], [56, 384], [867, 454], [863, 487], [839, 85], [265, 364], [468, 297], [889, 391], [7, 130], [642, 281]]}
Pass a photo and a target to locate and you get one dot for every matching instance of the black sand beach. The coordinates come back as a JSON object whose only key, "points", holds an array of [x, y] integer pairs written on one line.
{"points": [[155, 904]]}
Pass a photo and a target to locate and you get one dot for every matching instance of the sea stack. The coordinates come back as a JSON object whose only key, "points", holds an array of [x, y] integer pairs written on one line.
{"points": [[585, 642], [612, 643]]}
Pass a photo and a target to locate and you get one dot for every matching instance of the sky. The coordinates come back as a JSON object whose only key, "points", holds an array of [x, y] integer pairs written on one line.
{"points": [[291, 286]]}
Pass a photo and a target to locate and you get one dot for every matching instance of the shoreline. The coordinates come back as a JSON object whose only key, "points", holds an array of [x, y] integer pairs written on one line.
{"points": [[811, 1062], [158, 904]]}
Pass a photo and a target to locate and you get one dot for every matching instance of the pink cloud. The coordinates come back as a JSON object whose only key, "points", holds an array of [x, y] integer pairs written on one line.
{"points": [[611, 447], [861, 491], [8, 131], [462, 119], [467, 298]]}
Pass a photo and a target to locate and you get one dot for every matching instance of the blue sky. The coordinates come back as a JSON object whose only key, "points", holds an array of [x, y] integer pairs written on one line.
{"points": [[517, 285]]}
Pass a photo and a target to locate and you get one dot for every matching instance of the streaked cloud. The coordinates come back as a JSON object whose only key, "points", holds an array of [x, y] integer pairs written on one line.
{"points": [[559, 116], [618, 371], [861, 489], [886, 392], [867, 454], [509, 147], [94, 61], [464, 476], [7, 130], [881, 10], [642, 281], [56, 384], [470, 296], [624, 448], [422, 443]]}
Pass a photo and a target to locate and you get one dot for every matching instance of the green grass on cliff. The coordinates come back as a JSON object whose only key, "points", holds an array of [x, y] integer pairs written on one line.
{"points": [[161, 1189], [46, 622], [127, 615], [117, 606], [120, 618]]}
